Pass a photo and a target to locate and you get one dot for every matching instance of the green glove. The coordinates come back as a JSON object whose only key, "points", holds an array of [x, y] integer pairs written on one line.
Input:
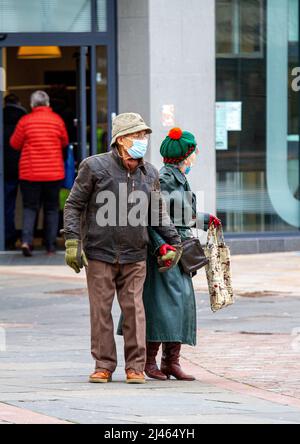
{"points": [[75, 256], [169, 257], [173, 256]]}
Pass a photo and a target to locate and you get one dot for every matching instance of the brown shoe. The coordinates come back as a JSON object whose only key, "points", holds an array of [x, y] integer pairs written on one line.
{"points": [[101, 377], [134, 377]]}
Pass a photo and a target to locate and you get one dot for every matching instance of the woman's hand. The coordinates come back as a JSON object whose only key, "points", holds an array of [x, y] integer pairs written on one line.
{"points": [[165, 251], [213, 220]]}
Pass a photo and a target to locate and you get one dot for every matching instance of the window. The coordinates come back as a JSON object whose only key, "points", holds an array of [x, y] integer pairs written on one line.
{"points": [[50, 16], [102, 15], [257, 156], [239, 28]]}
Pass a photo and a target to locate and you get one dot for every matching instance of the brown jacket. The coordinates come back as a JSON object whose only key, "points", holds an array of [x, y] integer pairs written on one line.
{"points": [[121, 243]]}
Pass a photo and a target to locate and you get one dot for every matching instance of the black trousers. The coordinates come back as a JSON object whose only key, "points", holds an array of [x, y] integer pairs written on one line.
{"points": [[10, 192], [34, 195]]}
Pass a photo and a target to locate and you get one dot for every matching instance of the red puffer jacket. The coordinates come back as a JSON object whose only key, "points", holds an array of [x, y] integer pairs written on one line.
{"points": [[41, 137]]}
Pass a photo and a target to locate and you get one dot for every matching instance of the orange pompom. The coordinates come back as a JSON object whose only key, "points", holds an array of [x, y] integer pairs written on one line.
{"points": [[175, 133]]}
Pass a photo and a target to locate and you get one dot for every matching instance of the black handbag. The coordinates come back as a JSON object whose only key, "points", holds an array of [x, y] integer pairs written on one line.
{"points": [[193, 257]]}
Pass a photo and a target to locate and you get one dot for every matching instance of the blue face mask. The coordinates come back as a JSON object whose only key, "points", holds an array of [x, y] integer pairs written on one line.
{"points": [[188, 170], [138, 149]]}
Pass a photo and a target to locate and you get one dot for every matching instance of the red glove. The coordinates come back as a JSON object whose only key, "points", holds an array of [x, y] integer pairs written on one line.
{"points": [[213, 220], [168, 264], [163, 251]]}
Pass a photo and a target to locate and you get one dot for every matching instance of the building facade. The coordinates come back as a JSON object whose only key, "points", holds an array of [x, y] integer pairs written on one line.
{"points": [[219, 68]]}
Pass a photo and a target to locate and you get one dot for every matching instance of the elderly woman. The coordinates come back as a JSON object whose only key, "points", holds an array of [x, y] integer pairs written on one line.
{"points": [[41, 137], [169, 298]]}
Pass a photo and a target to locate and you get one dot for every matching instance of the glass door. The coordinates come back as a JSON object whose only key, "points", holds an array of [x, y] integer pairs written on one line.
{"points": [[2, 235], [92, 101], [87, 82], [77, 84], [102, 102], [81, 103]]}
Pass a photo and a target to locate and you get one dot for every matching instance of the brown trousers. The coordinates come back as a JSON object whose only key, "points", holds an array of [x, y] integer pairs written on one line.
{"points": [[104, 280]]}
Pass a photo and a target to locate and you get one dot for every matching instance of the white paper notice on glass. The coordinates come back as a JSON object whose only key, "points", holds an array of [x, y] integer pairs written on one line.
{"points": [[234, 116], [228, 118], [221, 127]]}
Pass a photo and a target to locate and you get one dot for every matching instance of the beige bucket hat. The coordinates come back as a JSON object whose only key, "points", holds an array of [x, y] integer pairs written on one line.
{"points": [[128, 123]]}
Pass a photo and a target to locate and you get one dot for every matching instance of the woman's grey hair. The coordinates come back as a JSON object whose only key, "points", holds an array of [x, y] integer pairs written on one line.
{"points": [[39, 98], [181, 164]]}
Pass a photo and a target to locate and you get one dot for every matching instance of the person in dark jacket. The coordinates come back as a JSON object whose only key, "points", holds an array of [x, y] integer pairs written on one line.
{"points": [[102, 220], [12, 113], [41, 137], [169, 298]]}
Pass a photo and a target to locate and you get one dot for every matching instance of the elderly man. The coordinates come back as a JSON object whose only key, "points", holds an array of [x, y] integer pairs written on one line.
{"points": [[41, 137], [115, 253]]}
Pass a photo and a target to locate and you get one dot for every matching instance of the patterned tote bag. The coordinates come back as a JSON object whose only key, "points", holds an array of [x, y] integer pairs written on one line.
{"points": [[218, 270]]}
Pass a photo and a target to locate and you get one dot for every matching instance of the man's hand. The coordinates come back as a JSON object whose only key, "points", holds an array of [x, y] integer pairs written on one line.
{"points": [[75, 256], [213, 220]]}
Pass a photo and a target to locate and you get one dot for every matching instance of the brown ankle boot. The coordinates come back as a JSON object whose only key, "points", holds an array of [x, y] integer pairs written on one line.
{"points": [[170, 365], [151, 369]]}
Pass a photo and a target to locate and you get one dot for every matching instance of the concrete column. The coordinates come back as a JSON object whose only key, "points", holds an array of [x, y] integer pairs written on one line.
{"points": [[134, 57], [167, 57]]}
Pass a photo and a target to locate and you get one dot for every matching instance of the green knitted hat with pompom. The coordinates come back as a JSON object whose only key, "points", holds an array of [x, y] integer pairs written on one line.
{"points": [[178, 146]]}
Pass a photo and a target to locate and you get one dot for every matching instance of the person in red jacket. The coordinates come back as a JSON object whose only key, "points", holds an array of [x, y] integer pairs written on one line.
{"points": [[41, 137]]}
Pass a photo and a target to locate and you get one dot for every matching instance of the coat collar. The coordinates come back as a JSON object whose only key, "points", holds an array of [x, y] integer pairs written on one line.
{"points": [[42, 108], [116, 156], [177, 174]]}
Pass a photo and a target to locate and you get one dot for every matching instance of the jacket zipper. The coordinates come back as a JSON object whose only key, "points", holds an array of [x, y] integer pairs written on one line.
{"points": [[133, 181], [128, 179], [132, 190]]}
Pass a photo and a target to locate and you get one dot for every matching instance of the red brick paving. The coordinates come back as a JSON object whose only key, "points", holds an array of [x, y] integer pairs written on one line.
{"points": [[15, 415], [245, 362]]}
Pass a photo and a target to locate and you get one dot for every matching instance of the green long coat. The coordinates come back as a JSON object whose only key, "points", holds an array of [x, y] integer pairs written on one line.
{"points": [[169, 298]]}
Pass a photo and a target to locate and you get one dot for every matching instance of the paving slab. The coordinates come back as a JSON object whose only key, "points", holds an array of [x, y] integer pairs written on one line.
{"points": [[246, 362]]}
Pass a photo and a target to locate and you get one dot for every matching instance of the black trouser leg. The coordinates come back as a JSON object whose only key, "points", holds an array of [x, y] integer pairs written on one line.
{"points": [[50, 198], [31, 195]]}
